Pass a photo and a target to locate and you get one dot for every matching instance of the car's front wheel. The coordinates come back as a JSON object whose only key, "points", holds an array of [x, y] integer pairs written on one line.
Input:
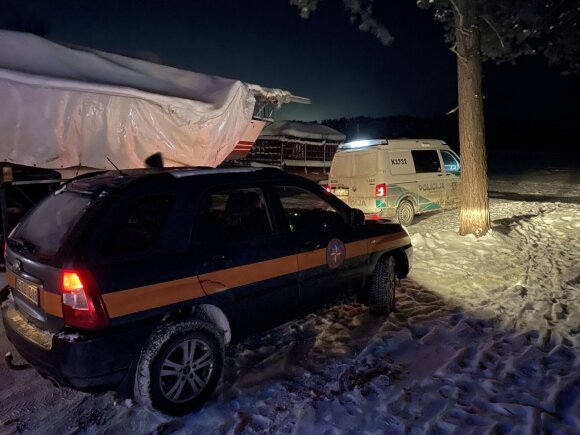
{"points": [[179, 367], [382, 292]]}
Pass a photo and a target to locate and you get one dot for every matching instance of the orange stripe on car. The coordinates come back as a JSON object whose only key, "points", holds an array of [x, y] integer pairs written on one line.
{"points": [[51, 303], [10, 278], [248, 274], [310, 259], [388, 242], [356, 249], [152, 296]]}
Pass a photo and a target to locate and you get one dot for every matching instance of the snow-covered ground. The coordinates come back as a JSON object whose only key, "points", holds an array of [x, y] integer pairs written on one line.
{"points": [[486, 339]]}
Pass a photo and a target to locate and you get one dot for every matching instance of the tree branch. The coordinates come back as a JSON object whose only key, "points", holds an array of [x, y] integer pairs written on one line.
{"points": [[459, 55], [494, 29], [458, 13]]}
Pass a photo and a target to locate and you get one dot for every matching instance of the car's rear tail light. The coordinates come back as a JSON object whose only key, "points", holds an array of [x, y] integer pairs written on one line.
{"points": [[82, 305], [328, 188], [381, 190]]}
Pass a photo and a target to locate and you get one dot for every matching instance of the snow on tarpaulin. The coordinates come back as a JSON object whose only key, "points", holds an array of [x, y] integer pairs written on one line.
{"points": [[69, 107], [301, 130]]}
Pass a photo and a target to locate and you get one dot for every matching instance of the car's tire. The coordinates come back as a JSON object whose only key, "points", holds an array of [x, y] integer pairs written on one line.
{"points": [[382, 291], [405, 213], [179, 368]]}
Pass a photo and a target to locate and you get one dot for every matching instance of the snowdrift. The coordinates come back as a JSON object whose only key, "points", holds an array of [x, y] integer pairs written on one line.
{"points": [[74, 107]]}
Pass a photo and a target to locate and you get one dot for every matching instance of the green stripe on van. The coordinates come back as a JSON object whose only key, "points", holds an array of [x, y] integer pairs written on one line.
{"points": [[425, 203]]}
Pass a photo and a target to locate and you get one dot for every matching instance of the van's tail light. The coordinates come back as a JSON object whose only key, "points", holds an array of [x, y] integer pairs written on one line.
{"points": [[380, 190], [82, 305], [328, 188]]}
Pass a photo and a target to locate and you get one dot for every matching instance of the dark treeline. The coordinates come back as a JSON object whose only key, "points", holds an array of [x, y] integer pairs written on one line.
{"points": [[542, 141]]}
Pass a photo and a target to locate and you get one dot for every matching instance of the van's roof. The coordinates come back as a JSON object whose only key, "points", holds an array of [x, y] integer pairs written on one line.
{"points": [[392, 144]]}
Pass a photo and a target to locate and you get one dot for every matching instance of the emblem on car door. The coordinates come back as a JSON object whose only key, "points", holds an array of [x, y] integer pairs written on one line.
{"points": [[335, 253]]}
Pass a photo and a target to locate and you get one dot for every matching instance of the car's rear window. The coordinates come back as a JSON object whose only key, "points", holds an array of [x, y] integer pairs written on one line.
{"points": [[44, 230]]}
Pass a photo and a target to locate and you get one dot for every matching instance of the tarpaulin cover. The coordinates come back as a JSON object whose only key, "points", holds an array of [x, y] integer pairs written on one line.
{"points": [[66, 107]]}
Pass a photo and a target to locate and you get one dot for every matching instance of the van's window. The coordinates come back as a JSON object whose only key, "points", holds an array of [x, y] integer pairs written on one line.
{"points": [[142, 227], [236, 214], [45, 229], [341, 166], [307, 212], [426, 161], [450, 162]]}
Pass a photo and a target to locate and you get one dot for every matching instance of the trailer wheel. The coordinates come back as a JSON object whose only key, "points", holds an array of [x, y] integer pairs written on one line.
{"points": [[405, 213], [382, 294]]}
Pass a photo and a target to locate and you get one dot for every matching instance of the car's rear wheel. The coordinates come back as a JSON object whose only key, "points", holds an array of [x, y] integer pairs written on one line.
{"points": [[179, 367], [405, 213], [382, 292]]}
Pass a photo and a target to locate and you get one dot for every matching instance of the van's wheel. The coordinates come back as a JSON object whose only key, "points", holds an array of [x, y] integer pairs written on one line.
{"points": [[382, 294], [180, 367], [405, 213]]}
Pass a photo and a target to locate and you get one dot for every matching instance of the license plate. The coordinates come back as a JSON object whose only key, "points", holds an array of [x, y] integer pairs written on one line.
{"points": [[341, 192], [29, 291]]}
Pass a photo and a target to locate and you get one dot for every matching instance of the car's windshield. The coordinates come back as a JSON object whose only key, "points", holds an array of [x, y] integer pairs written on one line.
{"points": [[43, 231]]}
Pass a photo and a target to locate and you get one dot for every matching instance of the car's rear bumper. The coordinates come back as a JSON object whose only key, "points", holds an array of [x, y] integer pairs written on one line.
{"points": [[86, 361]]}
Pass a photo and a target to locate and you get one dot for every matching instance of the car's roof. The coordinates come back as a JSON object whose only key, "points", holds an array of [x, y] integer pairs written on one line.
{"points": [[119, 179]]}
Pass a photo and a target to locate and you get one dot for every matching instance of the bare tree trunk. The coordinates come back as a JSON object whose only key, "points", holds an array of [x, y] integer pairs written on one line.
{"points": [[474, 217]]}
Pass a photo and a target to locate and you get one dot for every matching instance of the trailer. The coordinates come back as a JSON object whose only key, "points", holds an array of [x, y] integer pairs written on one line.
{"points": [[73, 110], [303, 148]]}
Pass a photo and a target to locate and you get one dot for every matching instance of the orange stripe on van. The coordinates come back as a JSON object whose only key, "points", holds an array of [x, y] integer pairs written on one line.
{"points": [[152, 296]]}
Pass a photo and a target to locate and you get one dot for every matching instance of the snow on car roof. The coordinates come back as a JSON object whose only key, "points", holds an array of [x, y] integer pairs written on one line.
{"points": [[301, 130]]}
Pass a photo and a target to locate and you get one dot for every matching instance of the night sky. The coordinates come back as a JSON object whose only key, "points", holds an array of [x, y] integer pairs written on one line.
{"points": [[343, 71]]}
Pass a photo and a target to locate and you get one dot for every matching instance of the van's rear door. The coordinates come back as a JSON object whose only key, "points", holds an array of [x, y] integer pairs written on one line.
{"points": [[353, 177]]}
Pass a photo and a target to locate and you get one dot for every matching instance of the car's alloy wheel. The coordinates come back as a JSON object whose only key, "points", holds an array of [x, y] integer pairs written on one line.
{"points": [[405, 213], [179, 367], [186, 370], [382, 292]]}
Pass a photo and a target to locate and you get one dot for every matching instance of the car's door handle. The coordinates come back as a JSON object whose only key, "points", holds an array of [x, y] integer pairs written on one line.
{"points": [[440, 175]]}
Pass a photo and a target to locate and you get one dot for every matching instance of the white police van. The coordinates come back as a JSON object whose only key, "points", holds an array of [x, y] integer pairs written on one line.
{"points": [[396, 178]]}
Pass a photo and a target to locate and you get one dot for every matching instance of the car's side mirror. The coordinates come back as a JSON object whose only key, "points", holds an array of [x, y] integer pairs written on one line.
{"points": [[357, 217]]}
